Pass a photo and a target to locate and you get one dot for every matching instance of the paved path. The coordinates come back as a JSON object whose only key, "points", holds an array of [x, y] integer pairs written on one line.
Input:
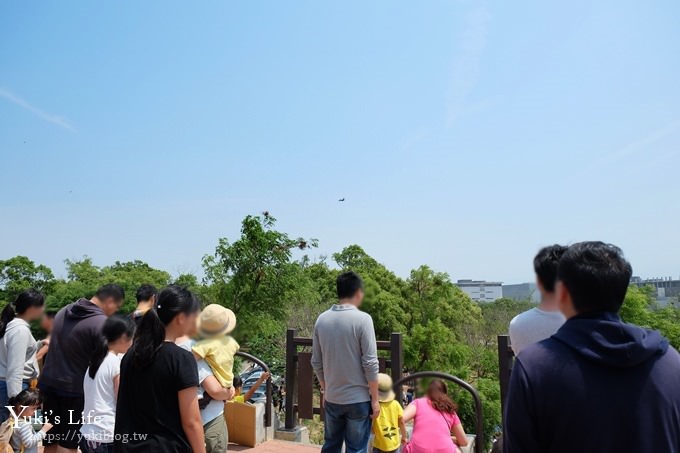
{"points": [[277, 446]]}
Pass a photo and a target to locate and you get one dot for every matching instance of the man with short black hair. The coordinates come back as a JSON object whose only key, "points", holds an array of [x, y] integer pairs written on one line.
{"points": [[146, 299], [540, 322], [598, 384], [76, 331], [345, 359]]}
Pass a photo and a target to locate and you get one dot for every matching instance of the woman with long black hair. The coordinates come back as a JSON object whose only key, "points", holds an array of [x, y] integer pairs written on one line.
{"points": [[17, 345], [157, 398]]}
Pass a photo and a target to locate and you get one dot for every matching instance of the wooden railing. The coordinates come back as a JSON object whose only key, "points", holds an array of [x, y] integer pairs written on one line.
{"points": [[300, 382]]}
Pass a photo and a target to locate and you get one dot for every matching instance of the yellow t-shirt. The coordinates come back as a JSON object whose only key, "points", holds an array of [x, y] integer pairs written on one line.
{"points": [[386, 427], [219, 353]]}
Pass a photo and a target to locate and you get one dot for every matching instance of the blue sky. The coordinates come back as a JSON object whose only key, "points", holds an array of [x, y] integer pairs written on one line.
{"points": [[463, 134]]}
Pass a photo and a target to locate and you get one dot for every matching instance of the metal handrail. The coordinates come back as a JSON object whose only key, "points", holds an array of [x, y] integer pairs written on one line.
{"points": [[479, 429], [268, 406]]}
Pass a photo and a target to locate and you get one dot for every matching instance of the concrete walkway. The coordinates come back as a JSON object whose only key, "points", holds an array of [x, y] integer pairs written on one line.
{"points": [[277, 446]]}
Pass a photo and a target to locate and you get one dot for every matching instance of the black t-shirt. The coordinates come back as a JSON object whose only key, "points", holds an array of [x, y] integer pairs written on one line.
{"points": [[148, 405]]}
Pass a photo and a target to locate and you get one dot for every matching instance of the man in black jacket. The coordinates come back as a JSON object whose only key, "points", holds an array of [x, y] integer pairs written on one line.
{"points": [[598, 384], [76, 331]]}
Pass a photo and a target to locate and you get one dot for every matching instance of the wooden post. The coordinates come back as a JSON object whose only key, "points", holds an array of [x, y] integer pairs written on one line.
{"points": [[396, 359], [291, 352], [505, 357]]}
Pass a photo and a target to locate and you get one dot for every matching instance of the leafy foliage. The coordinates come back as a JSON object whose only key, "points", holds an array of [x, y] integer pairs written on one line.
{"points": [[259, 277]]}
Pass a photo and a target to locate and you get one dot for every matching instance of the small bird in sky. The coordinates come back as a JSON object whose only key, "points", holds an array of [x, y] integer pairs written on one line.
{"points": [[341, 200]]}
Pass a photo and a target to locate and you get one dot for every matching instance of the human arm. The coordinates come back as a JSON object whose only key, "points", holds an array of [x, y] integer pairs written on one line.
{"points": [[369, 362], [213, 388], [17, 343], [519, 431], [191, 419], [251, 391], [43, 347], [402, 429], [409, 412], [28, 437], [317, 358], [459, 433]]}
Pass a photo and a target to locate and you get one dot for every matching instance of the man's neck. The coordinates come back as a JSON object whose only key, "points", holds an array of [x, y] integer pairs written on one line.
{"points": [[346, 302], [548, 303], [97, 302]]}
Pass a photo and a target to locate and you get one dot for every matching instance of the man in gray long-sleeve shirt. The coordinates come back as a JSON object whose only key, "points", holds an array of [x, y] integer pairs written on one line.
{"points": [[345, 359]]}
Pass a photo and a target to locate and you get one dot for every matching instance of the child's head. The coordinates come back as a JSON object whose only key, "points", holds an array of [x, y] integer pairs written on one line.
{"points": [[26, 402], [47, 320], [216, 321], [118, 331], [238, 384], [385, 392]]}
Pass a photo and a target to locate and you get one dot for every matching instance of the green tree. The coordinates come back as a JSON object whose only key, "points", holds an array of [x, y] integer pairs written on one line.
{"points": [[20, 273], [256, 277]]}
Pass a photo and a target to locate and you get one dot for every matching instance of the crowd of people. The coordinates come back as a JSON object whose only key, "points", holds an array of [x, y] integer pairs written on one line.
{"points": [[157, 380], [583, 380]]}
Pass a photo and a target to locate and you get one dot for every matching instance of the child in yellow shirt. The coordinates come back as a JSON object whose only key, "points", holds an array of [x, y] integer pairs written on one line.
{"points": [[389, 429], [216, 347], [238, 388]]}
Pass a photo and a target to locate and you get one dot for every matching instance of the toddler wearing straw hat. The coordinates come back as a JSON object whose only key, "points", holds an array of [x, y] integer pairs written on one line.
{"points": [[216, 346], [389, 429]]}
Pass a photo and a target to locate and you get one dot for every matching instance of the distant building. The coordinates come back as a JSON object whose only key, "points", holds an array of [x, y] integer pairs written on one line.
{"points": [[667, 289], [480, 290], [522, 292]]}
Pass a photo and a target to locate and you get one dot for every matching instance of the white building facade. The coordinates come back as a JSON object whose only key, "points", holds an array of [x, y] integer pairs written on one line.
{"points": [[480, 290]]}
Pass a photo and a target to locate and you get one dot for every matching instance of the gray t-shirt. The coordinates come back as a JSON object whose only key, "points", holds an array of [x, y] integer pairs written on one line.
{"points": [[344, 354], [533, 326]]}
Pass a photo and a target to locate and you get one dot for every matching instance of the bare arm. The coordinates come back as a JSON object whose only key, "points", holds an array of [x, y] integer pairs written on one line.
{"points": [[251, 391], [402, 428], [116, 386], [409, 413], [459, 433], [191, 419], [211, 385]]}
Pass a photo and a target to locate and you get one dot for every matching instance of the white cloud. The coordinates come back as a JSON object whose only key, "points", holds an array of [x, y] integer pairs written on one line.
{"points": [[49, 117], [466, 65], [638, 146]]}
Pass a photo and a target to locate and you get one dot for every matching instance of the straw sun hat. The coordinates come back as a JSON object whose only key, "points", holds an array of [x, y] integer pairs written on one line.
{"points": [[385, 392], [216, 320]]}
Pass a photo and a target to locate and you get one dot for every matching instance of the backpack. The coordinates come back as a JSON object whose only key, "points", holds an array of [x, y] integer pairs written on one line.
{"points": [[6, 430]]}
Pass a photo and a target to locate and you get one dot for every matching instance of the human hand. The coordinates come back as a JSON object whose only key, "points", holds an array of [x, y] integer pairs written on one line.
{"points": [[47, 426], [375, 406], [231, 393]]}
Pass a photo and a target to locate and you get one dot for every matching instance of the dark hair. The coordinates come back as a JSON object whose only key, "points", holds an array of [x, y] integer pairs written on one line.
{"points": [[145, 292], [545, 265], [114, 328], [28, 397], [596, 275], [348, 283], [25, 300], [110, 290], [238, 382], [171, 301], [51, 313], [438, 396]]}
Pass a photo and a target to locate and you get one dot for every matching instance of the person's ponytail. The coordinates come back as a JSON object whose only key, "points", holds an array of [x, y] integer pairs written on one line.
{"points": [[150, 335], [171, 301], [25, 300]]}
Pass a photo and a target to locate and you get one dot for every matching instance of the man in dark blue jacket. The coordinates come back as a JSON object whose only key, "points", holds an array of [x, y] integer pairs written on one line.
{"points": [[598, 384]]}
